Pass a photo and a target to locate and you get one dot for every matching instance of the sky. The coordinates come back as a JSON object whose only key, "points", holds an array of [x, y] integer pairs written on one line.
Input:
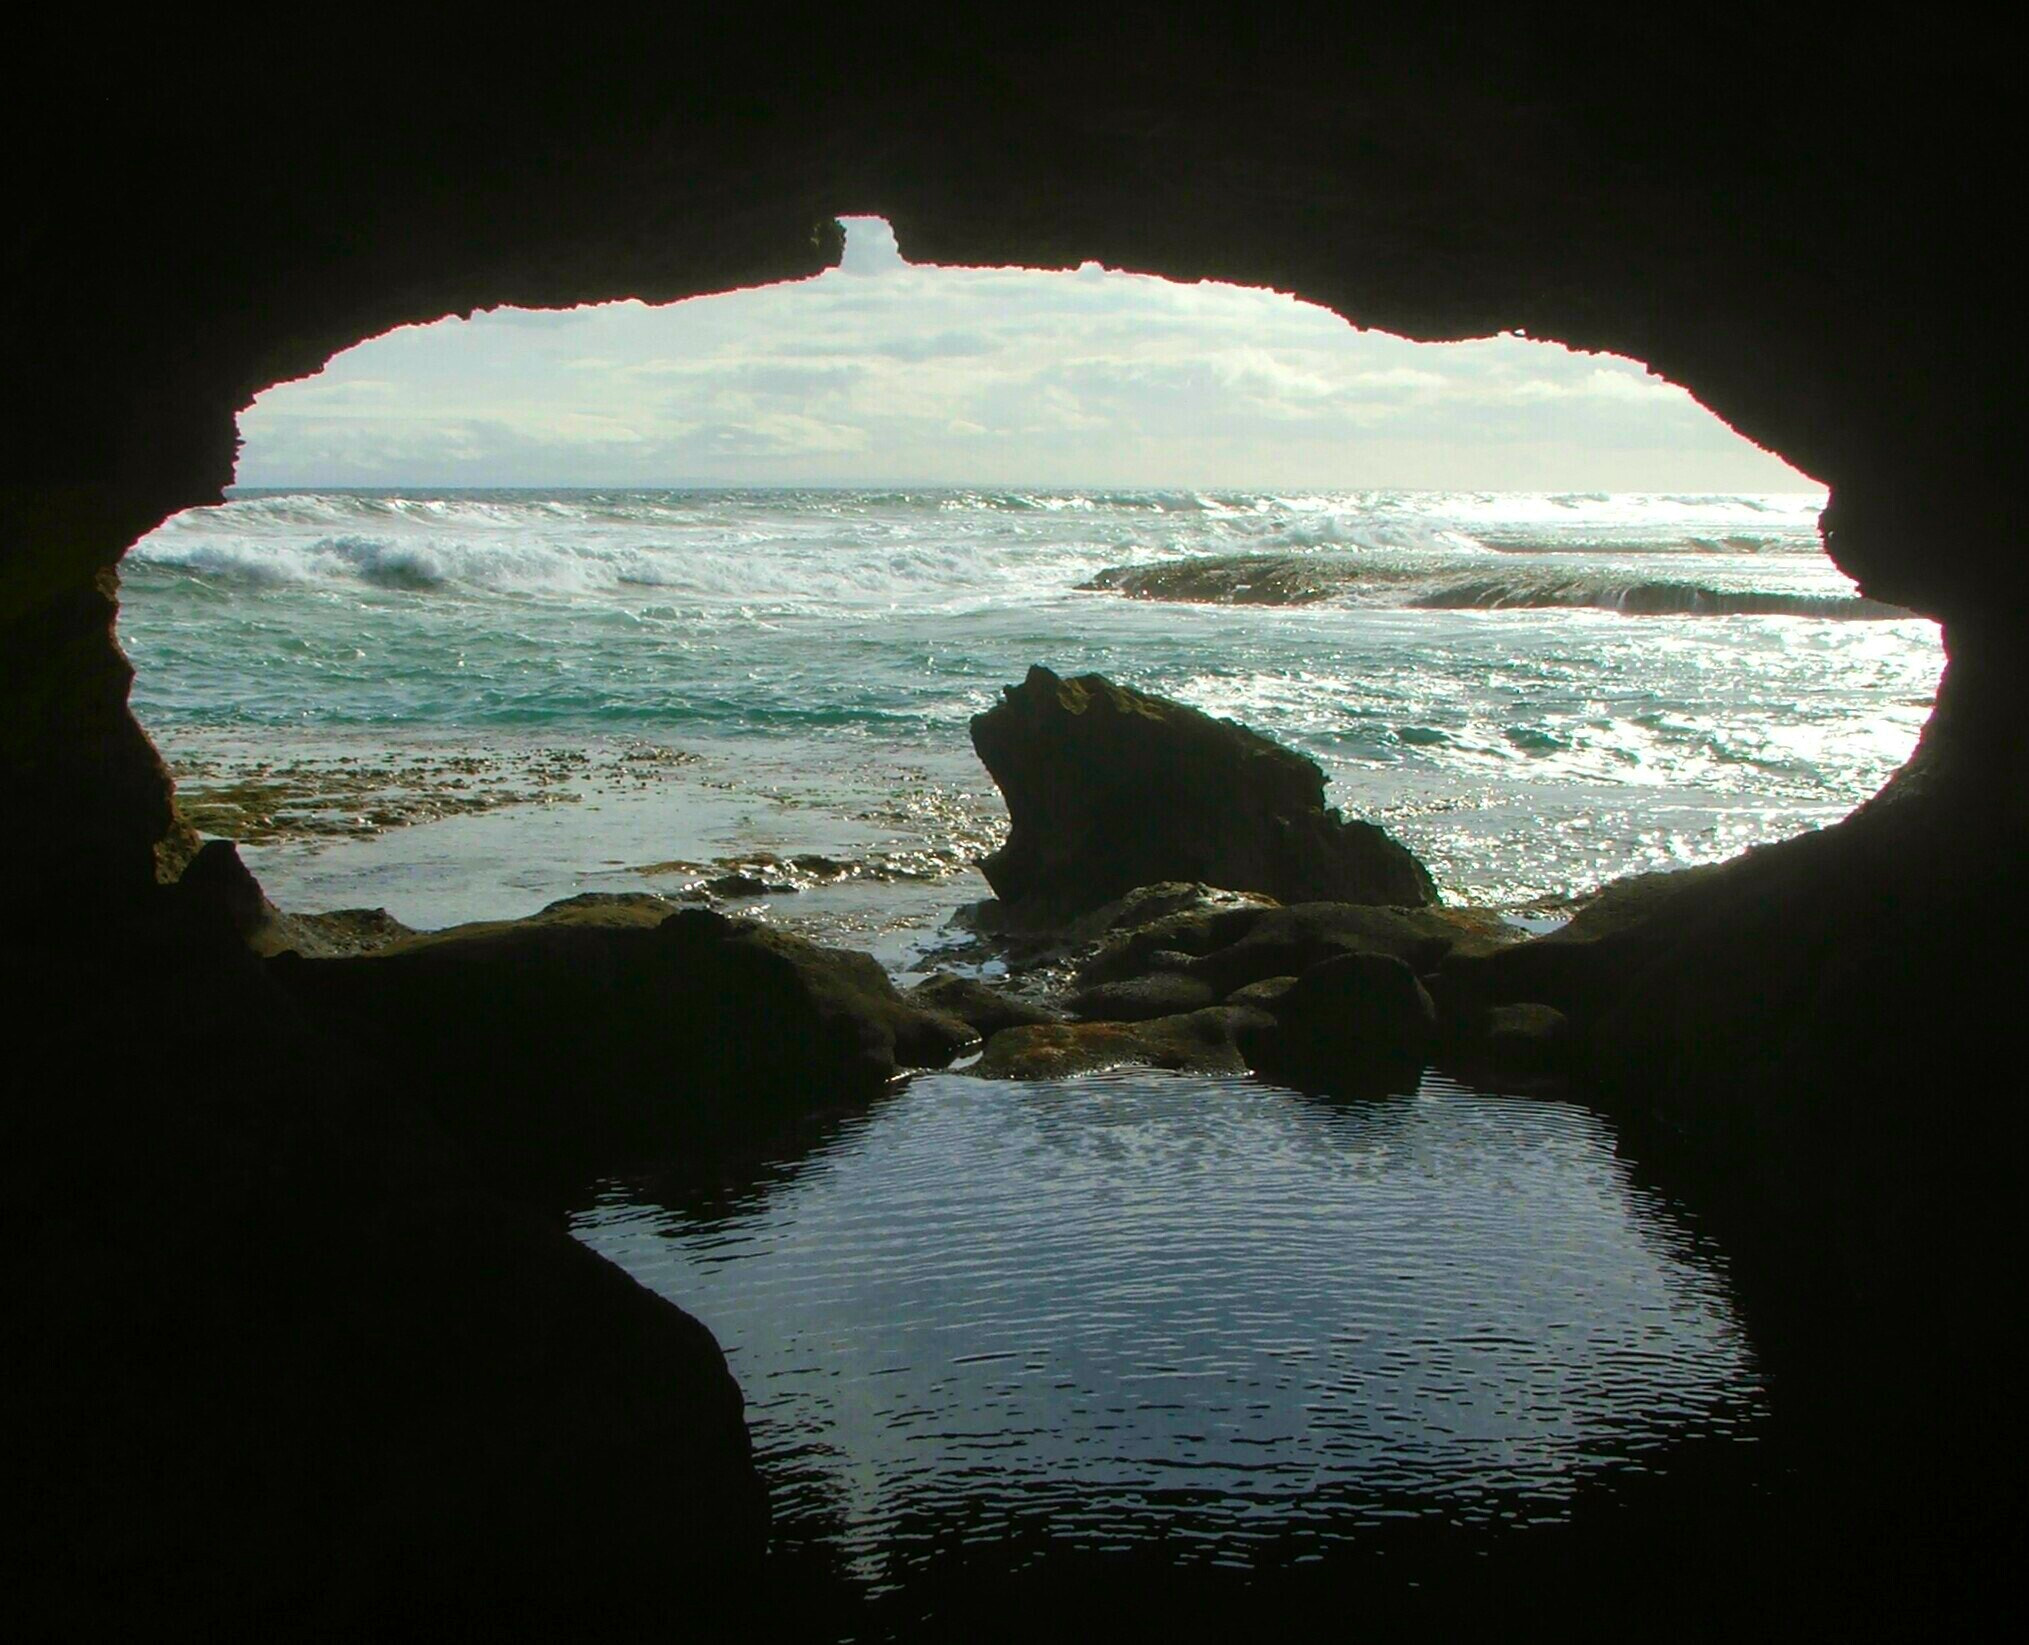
{"points": [[883, 372]]}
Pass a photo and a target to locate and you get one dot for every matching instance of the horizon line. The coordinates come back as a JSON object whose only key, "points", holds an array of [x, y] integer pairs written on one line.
{"points": [[1015, 485]]}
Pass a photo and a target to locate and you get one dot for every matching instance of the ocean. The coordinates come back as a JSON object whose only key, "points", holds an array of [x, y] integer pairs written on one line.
{"points": [[1205, 1321], [1535, 692]]}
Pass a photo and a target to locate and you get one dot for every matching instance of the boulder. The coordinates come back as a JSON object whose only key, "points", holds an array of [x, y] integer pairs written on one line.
{"points": [[1109, 788], [1358, 1024], [281, 1361], [1141, 999], [984, 1008], [1527, 1039], [606, 1031], [1263, 994], [1198, 1042]]}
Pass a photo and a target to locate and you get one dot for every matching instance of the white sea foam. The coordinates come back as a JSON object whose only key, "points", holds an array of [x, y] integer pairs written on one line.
{"points": [[907, 548]]}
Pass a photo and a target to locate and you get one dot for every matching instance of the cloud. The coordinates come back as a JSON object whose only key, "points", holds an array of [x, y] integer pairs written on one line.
{"points": [[882, 370]]}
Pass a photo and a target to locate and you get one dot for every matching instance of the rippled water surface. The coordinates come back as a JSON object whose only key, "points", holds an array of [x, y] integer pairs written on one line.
{"points": [[1209, 1315]]}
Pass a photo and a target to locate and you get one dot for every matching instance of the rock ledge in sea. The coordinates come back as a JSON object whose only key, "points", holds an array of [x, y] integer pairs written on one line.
{"points": [[1109, 788]]}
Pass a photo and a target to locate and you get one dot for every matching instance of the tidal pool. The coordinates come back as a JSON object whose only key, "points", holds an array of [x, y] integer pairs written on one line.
{"points": [[1210, 1322]]}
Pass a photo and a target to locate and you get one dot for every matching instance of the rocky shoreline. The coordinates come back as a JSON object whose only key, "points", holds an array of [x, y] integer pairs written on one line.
{"points": [[610, 1030]]}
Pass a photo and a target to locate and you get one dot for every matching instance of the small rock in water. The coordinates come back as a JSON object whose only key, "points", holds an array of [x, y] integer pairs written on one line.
{"points": [[1529, 1038], [1357, 1024]]}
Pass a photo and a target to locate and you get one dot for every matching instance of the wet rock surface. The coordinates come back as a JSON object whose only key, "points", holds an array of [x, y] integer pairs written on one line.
{"points": [[1109, 788], [1197, 1042], [1159, 994]]}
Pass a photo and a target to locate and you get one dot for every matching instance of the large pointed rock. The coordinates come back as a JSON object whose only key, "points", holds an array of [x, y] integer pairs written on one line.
{"points": [[1109, 788]]}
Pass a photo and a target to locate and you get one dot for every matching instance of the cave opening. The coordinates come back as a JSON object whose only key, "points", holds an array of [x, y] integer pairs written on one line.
{"points": [[459, 647], [1536, 608]]}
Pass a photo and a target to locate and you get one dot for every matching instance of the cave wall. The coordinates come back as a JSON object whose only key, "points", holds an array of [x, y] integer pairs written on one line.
{"points": [[1800, 229], [1796, 228]]}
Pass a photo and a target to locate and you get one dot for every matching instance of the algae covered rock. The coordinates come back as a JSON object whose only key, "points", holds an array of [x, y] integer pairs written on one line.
{"points": [[1109, 788], [1229, 948]]}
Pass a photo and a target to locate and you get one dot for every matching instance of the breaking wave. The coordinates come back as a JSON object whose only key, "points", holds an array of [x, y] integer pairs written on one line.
{"points": [[941, 549]]}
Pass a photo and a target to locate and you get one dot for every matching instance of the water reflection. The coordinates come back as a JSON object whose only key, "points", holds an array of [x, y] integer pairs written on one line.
{"points": [[1207, 1322]]}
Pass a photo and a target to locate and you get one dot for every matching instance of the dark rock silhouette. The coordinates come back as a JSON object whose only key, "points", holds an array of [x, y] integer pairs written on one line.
{"points": [[605, 1030], [1109, 788], [1356, 1024], [281, 1361]]}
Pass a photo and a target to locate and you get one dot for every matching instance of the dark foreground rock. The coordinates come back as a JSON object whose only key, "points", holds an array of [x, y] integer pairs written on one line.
{"points": [[281, 1363], [1109, 788], [1354, 1025], [607, 1029]]}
